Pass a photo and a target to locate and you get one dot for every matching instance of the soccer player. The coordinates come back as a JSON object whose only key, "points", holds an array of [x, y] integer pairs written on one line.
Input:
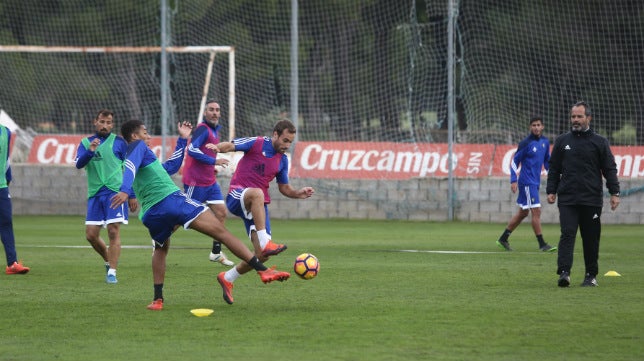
{"points": [[6, 212], [199, 173], [532, 154], [580, 158], [264, 160], [164, 208], [102, 156]]}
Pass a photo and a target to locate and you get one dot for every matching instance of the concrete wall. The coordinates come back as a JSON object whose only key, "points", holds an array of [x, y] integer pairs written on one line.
{"points": [[50, 190]]}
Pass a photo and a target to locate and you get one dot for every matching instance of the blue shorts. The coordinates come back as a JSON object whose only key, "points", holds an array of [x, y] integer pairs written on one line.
{"points": [[235, 205], [176, 209], [528, 196], [208, 194], [99, 212]]}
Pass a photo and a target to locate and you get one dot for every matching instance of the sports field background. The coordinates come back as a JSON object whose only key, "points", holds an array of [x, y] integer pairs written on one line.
{"points": [[387, 290]]}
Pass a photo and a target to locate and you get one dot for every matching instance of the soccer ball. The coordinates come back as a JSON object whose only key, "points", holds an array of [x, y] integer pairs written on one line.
{"points": [[306, 266]]}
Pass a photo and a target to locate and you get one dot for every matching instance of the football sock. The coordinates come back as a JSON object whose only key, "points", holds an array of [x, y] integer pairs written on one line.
{"points": [[256, 264], [505, 235], [216, 247], [263, 238], [158, 291], [540, 240], [111, 271], [231, 275]]}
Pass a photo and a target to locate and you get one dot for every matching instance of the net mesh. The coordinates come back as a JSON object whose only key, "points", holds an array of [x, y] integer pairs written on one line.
{"points": [[370, 70]]}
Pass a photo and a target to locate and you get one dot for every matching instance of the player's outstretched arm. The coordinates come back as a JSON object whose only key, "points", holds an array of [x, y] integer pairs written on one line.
{"points": [[302, 193], [223, 147]]}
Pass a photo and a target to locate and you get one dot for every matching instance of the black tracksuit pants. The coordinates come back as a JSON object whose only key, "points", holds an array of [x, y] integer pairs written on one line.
{"points": [[588, 220]]}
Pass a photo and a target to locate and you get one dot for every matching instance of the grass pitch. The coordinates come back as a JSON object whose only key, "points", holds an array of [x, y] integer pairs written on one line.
{"points": [[387, 290]]}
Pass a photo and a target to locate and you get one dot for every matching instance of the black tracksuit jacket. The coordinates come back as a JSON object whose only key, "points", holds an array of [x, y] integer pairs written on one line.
{"points": [[577, 163]]}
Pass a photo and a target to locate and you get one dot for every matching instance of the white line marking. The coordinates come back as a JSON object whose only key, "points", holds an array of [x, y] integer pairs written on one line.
{"points": [[122, 246], [446, 252]]}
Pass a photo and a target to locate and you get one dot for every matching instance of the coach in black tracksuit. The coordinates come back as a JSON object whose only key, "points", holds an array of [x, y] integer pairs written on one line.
{"points": [[578, 161]]}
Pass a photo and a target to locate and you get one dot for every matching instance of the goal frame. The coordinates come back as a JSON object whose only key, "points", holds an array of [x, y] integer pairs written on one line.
{"points": [[212, 50]]}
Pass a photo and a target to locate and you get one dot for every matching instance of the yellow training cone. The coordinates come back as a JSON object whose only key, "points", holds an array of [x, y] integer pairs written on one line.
{"points": [[612, 274], [201, 312]]}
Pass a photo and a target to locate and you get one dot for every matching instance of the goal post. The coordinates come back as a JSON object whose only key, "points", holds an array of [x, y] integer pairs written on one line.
{"points": [[110, 50]]}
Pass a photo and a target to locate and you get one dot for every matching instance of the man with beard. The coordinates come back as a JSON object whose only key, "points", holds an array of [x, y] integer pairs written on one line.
{"points": [[102, 155], [579, 160]]}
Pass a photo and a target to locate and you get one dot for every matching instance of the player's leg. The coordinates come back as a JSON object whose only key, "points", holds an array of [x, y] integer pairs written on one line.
{"points": [[177, 208], [253, 201], [535, 210], [6, 227], [7, 235], [114, 219], [523, 203], [536, 227], [159, 255], [216, 254], [208, 224], [569, 222], [94, 221], [93, 236], [113, 251], [590, 229]]}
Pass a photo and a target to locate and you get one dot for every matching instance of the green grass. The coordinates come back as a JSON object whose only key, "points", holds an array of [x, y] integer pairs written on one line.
{"points": [[369, 302]]}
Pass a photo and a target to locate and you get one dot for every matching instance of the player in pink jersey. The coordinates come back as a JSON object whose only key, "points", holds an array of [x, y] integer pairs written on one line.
{"points": [[199, 173], [264, 160]]}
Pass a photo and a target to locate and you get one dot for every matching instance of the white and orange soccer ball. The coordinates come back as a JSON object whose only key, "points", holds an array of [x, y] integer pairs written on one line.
{"points": [[306, 266]]}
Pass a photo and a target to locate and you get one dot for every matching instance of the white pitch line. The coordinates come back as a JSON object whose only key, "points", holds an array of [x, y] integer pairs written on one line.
{"points": [[122, 246], [447, 252], [54, 246]]}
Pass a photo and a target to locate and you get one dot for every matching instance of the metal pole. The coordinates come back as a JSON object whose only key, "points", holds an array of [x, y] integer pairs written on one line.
{"points": [[231, 95], [450, 105], [164, 78], [294, 70]]}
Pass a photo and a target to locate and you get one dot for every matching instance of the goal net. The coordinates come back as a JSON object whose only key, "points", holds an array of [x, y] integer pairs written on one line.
{"points": [[63, 87], [369, 70]]}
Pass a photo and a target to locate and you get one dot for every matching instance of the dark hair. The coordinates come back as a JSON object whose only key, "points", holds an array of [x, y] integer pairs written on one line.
{"points": [[211, 100], [130, 127], [105, 113], [284, 125], [587, 109], [535, 118]]}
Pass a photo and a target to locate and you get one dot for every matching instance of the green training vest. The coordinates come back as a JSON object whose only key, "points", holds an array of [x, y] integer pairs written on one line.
{"points": [[105, 169], [4, 151], [151, 185]]}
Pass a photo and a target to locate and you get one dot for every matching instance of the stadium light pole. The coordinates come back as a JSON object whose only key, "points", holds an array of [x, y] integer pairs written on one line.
{"points": [[295, 85], [164, 78], [452, 7]]}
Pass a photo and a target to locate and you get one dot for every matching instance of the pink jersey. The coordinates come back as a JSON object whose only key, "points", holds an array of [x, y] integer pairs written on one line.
{"points": [[197, 173], [255, 170]]}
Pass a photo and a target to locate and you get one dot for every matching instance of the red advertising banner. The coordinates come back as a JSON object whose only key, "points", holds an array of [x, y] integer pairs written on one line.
{"points": [[357, 160], [384, 160], [365, 160], [502, 159], [61, 149], [629, 160]]}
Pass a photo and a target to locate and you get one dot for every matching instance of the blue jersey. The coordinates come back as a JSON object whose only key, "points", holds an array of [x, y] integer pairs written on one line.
{"points": [[532, 154]]}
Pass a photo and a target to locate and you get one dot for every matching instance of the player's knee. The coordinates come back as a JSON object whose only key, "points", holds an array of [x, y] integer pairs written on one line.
{"points": [[254, 195]]}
